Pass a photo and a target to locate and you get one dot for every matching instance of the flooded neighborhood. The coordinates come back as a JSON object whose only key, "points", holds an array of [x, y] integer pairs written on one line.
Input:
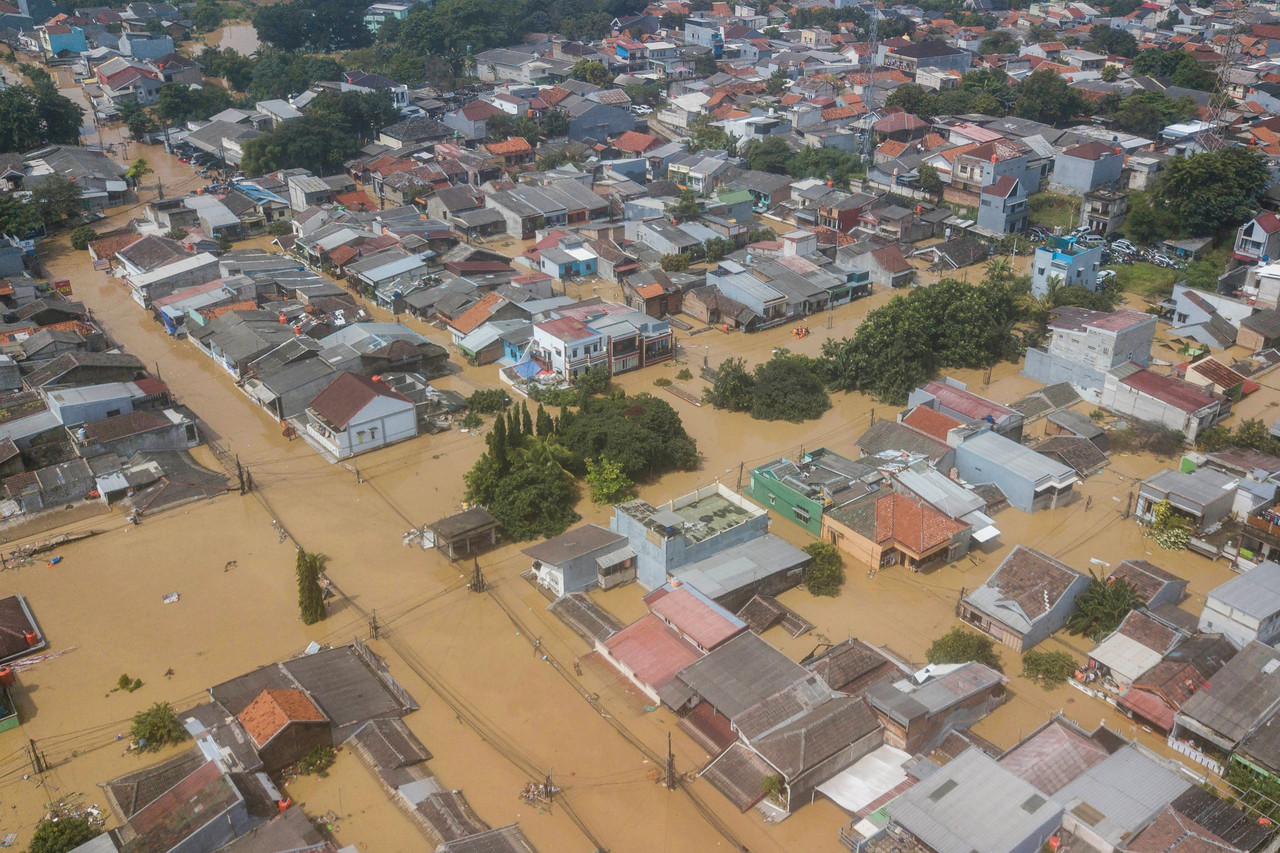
{"points": [[823, 427]]}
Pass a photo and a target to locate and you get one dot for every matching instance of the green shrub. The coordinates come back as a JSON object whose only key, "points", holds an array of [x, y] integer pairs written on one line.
{"points": [[825, 575], [961, 646], [317, 761], [82, 237], [662, 382], [488, 401], [684, 375], [1049, 668], [471, 420], [157, 727]]}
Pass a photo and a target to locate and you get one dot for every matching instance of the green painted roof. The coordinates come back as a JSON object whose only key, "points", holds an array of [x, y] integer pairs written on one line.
{"points": [[733, 196]]}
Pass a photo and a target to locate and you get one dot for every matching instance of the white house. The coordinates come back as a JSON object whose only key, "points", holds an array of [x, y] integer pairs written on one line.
{"points": [[355, 414], [567, 346], [1245, 608]]}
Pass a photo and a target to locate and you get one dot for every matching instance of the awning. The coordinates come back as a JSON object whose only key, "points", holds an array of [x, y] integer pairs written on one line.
{"points": [[1149, 706], [867, 779], [986, 534], [613, 558]]}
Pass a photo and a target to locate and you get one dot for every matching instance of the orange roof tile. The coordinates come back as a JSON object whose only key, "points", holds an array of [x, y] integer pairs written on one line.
{"points": [[514, 145], [914, 524], [891, 148], [837, 113], [476, 315], [266, 716], [932, 423]]}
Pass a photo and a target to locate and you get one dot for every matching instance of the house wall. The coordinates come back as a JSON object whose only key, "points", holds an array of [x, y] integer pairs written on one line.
{"points": [[1080, 173], [600, 122], [1081, 268], [1126, 400], [646, 689], [773, 584], [854, 544], [923, 734], [1002, 633], [657, 555], [1238, 627], [782, 499], [295, 741], [579, 573], [1048, 369]]}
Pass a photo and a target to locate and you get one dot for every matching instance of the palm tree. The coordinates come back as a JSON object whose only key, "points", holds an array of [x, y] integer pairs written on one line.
{"points": [[544, 452], [999, 270]]}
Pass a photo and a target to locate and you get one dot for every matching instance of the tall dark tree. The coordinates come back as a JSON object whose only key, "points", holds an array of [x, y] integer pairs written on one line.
{"points": [[545, 425], [526, 420], [310, 595], [497, 440], [308, 143]]}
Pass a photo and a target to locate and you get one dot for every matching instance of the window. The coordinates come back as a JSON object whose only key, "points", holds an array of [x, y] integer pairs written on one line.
{"points": [[801, 513], [773, 500], [373, 433]]}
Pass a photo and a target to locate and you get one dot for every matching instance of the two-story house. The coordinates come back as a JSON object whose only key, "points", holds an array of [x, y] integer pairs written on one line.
{"points": [[1084, 345]]}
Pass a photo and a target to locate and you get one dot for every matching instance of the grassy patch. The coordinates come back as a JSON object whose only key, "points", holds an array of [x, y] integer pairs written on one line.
{"points": [[1054, 211], [1147, 280]]}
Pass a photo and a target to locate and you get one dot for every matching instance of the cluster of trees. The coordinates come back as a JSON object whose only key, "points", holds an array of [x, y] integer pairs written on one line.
{"points": [[554, 124], [307, 570], [906, 341], [787, 387], [331, 132], [772, 154], [459, 29], [157, 727], [1049, 668], [1044, 96], [36, 115], [527, 478], [319, 25], [1105, 39], [1180, 67], [825, 575], [1201, 195], [1251, 434], [52, 200], [1147, 113], [58, 835]]}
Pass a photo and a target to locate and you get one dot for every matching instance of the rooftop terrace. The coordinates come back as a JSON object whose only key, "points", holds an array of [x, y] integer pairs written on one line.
{"points": [[698, 515]]}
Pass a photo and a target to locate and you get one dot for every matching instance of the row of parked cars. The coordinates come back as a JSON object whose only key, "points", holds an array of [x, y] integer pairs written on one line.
{"points": [[1115, 249], [206, 163]]}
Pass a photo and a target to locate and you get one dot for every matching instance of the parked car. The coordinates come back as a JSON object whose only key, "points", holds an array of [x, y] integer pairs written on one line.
{"points": [[1080, 232], [1162, 260], [1106, 276], [1124, 246]]}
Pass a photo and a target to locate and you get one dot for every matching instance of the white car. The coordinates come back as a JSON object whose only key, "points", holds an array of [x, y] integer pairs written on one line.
{"points": [[1124, 246], [1106, 276], [641, 110]]}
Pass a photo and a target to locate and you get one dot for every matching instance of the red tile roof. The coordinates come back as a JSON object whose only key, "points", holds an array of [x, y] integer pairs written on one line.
{"points": [[566, 329], [932, 423], [475, 316], [913, 523], [347, 395], [692, 616], [636, 143], [1176, 393], [266, 716], [966, 402], [514, 145], [651, 650]]}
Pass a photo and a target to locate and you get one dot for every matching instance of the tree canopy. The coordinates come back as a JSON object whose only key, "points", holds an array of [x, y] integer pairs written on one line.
{"points": [[1102, 607], [1211, 191], [961, 646], [1047, 97], [906, 341], [309, 142], [591, 71], [32, 116], [59, 836], [319, 25]]}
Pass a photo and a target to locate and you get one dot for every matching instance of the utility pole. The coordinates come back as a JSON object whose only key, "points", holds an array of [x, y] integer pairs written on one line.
{"points": [[477, 578], [669, 778], [550, 790], [239, 473], [159, 189], [1128, 506], [374, 627], [741, 465]]}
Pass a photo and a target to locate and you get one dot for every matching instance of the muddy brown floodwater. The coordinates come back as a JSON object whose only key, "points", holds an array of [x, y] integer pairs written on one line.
{"points": [[493, 713]]}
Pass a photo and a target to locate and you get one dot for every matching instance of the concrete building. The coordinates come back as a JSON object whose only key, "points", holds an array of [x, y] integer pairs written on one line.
{"points": [[1246, 608], [1257, 239], [1103, 210], [355, 414], [580, 559], [1084, 345], [1087, 166], [1003, 208], [1204, 496], [1031, 481], [1137, 392], [1071, 262], [686, 530], [820, 481]]}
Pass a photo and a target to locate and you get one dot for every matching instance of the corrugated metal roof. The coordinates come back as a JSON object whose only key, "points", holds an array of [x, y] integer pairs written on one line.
{"points": [[1127, 791], [974, 804]]}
